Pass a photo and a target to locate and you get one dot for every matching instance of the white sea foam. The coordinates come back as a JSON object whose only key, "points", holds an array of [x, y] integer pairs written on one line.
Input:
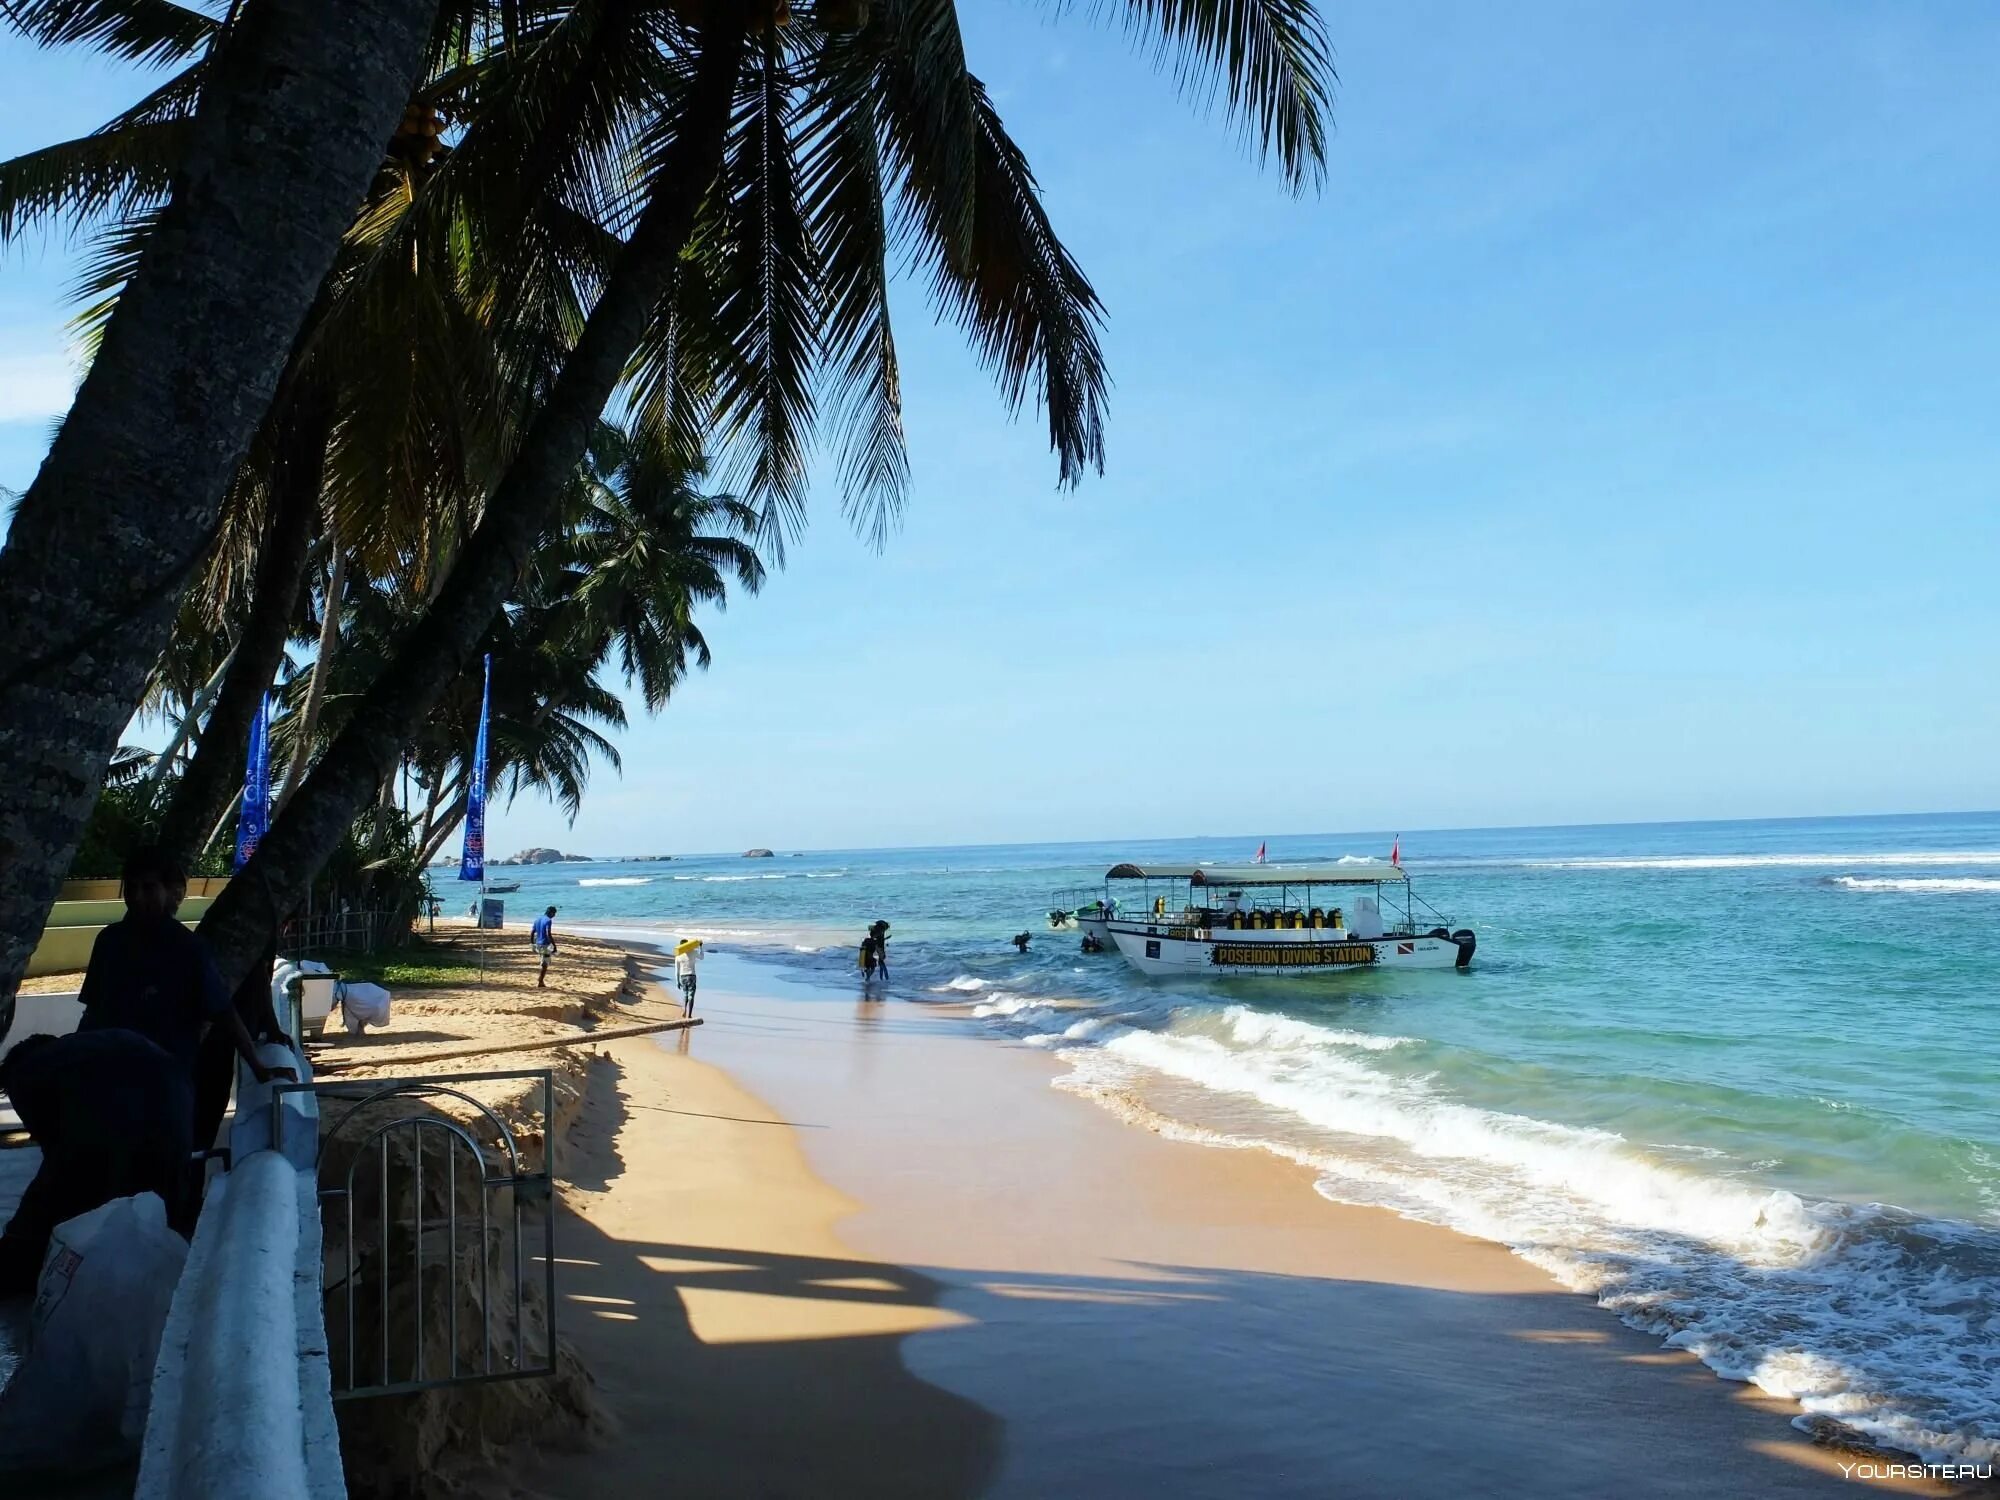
{"points": [[965, 982], [1265, 1028], [1866, 1316], [1965, 885], [1915, 860], [617, 880]]}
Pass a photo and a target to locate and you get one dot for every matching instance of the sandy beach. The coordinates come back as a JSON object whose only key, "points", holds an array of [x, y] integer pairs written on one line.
{"points": [[832, 1246]]}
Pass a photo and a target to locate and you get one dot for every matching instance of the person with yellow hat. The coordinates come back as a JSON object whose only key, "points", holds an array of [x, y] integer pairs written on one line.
{"points": [[686, 955]]}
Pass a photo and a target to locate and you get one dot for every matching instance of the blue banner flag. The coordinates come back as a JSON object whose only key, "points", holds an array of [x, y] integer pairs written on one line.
{"points": [[256, 814], [472, 862]]}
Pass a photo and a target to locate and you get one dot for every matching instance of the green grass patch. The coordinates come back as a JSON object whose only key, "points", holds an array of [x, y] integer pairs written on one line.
{"points": [[412, 967]]}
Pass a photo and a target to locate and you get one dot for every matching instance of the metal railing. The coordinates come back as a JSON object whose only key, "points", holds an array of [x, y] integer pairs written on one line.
{"points": [[391, 1267]]}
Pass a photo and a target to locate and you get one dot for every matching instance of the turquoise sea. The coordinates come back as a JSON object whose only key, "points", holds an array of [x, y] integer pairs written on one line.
{"points": [[1739, 1080]]}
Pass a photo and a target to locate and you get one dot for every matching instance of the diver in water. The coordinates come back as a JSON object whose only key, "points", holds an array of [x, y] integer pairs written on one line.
{"points": [[1021, 941], [1091, 944]]}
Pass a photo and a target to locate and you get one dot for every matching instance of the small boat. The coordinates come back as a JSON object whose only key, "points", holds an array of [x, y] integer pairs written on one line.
{"points": [[1280, 920], [1084, 910], [503, 887]]}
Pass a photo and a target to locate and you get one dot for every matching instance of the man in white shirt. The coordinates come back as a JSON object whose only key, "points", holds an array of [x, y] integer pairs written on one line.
{"points": [[684, 964]]}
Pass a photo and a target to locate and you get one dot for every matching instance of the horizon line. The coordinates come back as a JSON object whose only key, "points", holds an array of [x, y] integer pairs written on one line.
{"points": [[1170, 838]]}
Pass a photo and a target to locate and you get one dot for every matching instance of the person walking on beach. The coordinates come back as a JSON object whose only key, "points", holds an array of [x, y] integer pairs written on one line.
{"points": [[879, 931], [686, 956], [543, 936]]}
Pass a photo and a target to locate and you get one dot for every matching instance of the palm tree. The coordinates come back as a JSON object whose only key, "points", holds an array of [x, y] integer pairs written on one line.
{"points": [[755, 266], [293, 113], [344, 433], [702, 208], [641, 549]]}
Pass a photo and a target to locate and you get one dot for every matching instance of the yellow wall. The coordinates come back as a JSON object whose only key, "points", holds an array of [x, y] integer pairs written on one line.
{"points": [[62, 950], [107, 890], [74, 926]]}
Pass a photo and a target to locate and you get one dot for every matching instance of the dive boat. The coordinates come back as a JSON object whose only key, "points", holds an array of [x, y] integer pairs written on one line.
{"points": [[1267, 919]]}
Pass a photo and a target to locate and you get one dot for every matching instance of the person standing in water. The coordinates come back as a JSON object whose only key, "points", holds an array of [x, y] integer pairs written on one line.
{"points": [[543, 936], [879, 931], [867, 960], [686, 956]]}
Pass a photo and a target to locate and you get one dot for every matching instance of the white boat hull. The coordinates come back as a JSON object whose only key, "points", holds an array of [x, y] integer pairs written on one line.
{"points": [[1164, 951]]}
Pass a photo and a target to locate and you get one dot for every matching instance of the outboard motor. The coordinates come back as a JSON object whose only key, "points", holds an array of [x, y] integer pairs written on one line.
{"points": [[1467, 940]]}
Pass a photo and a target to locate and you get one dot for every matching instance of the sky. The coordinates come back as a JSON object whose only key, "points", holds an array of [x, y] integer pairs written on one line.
{"points": [[1613, 438]]}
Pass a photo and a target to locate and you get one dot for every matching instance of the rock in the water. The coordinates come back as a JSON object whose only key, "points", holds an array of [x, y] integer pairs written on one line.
{"points": [[545, 857]]}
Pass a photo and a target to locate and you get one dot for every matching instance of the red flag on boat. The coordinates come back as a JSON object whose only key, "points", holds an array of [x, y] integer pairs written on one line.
{"points": [[1260, 855], [1396, 851]]}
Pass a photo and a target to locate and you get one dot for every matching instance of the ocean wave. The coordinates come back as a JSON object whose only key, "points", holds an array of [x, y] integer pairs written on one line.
{"points": [[965, 983], [1915, 859], [1964, 885], [1266, 1028], [826, 874], [617, 880], [1867, 1316]]}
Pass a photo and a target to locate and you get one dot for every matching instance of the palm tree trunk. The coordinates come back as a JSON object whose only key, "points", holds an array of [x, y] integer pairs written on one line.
{"points": [[164, 761], [527, 497], [301, 98], [217, 768], [329, 643]]}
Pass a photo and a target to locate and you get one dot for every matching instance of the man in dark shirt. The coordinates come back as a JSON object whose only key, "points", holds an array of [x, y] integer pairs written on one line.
{"points": [[151, 975], [111, 1112]]}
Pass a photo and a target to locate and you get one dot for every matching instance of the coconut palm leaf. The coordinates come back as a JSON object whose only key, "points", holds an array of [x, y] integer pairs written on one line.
{"points": [[973, 212], [842, 194], [769, 310], [140, 31], [1270, 58], [122, 167]]}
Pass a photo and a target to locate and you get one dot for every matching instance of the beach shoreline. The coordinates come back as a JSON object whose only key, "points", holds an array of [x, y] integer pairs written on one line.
{"points": [[1075, 1305]]}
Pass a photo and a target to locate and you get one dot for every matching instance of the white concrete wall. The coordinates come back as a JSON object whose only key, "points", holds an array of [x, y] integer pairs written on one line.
{"points": [[243, 1393]]}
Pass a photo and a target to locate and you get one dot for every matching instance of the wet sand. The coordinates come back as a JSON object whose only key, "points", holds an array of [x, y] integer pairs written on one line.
{"points": [[877, 1254]]}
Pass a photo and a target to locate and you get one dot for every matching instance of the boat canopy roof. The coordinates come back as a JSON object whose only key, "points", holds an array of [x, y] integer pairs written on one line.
{"points": [[1373, 872]]}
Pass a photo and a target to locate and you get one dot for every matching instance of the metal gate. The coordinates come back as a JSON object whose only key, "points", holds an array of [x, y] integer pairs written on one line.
{"points": [[408, 1194]]}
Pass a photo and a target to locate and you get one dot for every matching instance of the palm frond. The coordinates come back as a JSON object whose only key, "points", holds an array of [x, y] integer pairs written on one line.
{"points": [[841, 188], [769, 312], [140, 31], [1007, 279], [112, 262], [925, 88], [672, 379], [124, 166], [1269, 57]]}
